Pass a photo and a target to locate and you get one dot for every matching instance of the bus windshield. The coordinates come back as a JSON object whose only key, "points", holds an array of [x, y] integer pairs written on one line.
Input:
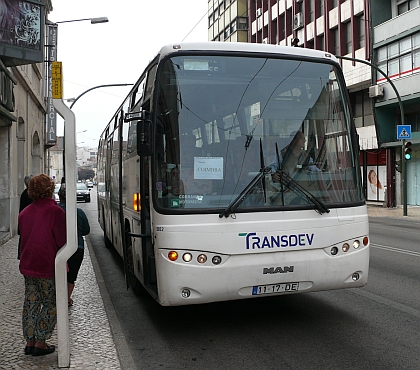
{"points": [[260, 133]]}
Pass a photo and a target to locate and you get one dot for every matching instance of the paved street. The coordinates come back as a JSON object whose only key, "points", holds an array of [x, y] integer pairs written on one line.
{"points": [[92, 345]]}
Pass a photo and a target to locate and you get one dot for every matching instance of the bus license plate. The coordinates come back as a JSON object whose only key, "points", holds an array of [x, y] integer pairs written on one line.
{"points": [[275, 288]]}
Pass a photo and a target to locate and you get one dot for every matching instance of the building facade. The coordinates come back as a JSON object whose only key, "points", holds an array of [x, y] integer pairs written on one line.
{"points": [[339, 27], [22, 103], [396, 51], [85, 160], [384, 33], [56, 160], [228, 20]]}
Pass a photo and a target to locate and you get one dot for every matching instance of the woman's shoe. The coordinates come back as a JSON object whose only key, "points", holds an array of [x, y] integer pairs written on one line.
{"points": [[29, 350], [43, 351]]}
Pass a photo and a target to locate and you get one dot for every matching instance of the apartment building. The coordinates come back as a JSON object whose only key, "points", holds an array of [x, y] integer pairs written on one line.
{"points": [[396, 51], [228, 20]]}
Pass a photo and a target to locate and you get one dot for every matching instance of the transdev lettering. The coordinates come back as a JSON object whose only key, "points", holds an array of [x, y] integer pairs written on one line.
{"points": [[255, 242]]}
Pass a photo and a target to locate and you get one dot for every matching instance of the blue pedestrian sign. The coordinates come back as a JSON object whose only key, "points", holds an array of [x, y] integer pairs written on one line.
{"points": [[403, 132]]}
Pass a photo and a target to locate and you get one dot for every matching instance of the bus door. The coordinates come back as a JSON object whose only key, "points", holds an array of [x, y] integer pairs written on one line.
{"points": [[147, 250], [107, 211], [144, 150], [148, 253]]}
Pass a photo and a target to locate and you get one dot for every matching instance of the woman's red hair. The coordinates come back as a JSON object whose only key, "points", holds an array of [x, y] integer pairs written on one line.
{"points": [[41, 186]]}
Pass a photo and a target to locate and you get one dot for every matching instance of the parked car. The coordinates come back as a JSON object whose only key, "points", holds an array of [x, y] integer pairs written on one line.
{"points": [[89, 184], [56, 189], [101, 189], [82, 192]]}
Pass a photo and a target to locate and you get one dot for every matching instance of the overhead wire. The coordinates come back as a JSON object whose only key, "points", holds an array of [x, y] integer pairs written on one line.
{"points": [[195, 26]]}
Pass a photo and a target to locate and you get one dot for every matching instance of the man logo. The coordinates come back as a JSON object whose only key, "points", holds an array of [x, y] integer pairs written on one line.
{"points": [[278, 270]]}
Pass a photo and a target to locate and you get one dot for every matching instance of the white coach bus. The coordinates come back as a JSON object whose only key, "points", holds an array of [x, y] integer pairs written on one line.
{"points": [[231, 171]]}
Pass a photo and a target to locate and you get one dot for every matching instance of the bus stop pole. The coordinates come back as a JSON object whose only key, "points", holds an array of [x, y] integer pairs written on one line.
{"points": [[71, 228], [404, 178]]}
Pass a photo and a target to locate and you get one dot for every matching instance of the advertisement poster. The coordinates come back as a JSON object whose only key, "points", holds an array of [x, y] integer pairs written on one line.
{"points": [[376, 183], [21, 31]]}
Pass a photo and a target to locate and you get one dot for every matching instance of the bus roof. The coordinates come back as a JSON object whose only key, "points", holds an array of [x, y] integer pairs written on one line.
{"points": [[215, 46]]}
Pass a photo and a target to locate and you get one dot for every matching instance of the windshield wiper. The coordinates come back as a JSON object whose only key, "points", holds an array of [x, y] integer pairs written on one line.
{"points": [[241, 197], [290, 183]]}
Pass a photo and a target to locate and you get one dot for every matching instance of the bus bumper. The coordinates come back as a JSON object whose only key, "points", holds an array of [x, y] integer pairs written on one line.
{"points": [[251, 275]]}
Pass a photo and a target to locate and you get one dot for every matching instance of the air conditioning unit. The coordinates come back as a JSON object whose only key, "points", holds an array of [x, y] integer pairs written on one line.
{"points": [[375, 91], [259, 12], [298, 21]]}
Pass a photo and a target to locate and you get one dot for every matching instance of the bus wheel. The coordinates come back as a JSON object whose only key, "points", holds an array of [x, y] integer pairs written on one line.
{"points": [[135, 284], [108, 243]]}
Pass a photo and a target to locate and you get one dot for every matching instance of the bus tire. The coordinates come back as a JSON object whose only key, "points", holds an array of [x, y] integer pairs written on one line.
{"points": [[108, 243], [135, 284]]}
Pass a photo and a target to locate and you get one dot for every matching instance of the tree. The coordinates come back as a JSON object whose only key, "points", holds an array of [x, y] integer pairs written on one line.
{"points": [[85, 173]]}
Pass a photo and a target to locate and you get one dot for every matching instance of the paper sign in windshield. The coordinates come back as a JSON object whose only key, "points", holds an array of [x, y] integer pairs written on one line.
{"points": [[208, 168]]}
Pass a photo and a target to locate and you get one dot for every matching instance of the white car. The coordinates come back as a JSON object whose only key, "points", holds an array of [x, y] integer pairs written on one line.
{"points": [[55, 195]]}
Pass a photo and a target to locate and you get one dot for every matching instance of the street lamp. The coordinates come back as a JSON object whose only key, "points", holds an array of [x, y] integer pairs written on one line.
{"points": [[92, 20], [74, 100]]}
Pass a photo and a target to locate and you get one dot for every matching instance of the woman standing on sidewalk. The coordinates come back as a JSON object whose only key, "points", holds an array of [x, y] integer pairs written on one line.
{"points": [[42, 228], [83, 229]]}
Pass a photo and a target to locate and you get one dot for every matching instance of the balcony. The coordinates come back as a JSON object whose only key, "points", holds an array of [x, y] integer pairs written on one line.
{"points": [[405, 23]]}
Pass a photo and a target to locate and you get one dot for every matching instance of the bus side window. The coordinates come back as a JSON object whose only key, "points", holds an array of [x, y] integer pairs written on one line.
{"points": [[132, 138], [115, 148]]}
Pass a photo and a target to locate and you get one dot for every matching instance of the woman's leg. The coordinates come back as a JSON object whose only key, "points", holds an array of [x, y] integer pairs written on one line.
{"points": [[47, 316], [31, 306], [70, 288], [74, 263]]}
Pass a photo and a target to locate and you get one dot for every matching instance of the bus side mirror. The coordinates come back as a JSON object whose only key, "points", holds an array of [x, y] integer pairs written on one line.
{"points": [[144, 142]]}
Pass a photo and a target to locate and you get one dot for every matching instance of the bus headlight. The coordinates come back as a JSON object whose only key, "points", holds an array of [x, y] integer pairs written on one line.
{"points": [[202, 258], [356, 244], [187, 257], [334, 251], [365, 241], [216, 260], [185, 293], [345, 247]]}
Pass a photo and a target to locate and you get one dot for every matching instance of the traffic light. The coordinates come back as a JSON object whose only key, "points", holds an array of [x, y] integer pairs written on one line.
{"points": [[407, 150]]}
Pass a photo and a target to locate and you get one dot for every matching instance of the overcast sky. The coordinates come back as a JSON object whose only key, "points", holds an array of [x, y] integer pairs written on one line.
{"points": [[116, 52]]}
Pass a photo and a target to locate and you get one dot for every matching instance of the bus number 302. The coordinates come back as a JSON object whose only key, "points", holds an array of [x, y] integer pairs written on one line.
{"points": [[276, 288]]}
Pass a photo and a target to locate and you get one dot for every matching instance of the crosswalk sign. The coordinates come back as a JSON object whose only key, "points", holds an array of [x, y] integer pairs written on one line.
{"points": [[403, 132]]}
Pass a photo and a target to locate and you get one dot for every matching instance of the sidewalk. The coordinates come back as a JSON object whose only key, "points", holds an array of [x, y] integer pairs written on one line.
{"points": [[91, 342], [378, 210]]}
